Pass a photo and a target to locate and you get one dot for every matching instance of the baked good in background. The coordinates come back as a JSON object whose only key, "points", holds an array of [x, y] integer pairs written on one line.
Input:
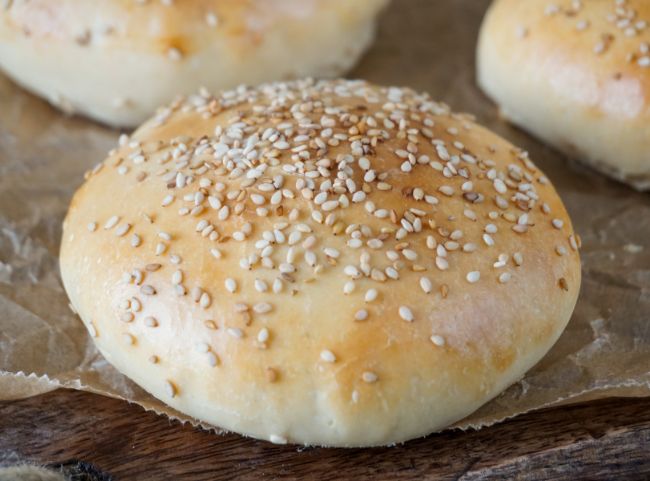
{"points": [[320, 262], [577, 75], [116, 61]]}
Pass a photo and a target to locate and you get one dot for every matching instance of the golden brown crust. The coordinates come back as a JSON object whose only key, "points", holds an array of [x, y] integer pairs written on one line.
{"points": [[576, 74], [324, 360]]}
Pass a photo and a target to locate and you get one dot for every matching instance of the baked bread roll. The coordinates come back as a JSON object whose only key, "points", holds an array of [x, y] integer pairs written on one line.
{"points": [[118, 60], [324, 263], [577, 75]]}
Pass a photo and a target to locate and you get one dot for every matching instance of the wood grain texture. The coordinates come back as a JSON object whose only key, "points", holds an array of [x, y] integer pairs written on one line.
{"points": [[599, 441]]}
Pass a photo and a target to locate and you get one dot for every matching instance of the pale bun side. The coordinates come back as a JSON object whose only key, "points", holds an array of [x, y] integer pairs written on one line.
{"points": [[116, 61], [575, 74], [324, 263]]}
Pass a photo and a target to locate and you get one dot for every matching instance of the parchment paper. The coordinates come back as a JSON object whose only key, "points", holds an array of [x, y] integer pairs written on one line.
{"points": [[425, 44]]}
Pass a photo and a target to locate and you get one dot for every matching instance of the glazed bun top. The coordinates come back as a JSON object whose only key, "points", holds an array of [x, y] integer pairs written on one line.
{"points": [[323, 262]]}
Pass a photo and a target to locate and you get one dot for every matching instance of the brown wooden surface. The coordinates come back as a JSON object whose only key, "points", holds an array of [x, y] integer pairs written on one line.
{"points": [[606, 440]]}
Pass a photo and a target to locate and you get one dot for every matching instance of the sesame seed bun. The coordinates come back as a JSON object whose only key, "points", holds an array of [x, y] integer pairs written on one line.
{"points": [[577, 75], [324, 263], [116, 61]]}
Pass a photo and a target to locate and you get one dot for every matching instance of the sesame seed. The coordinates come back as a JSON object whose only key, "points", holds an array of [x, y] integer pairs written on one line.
{"points": [[557, 223], [426, 285], [262, 307], [126, 317], [473, 277], [235, 332], [371, 295], [92, 226], [369, 377], [405, 313], [112, 222], [348, 287], [504, 277], [500, 186], [136, 305], [148, 290], [441, 263], [92, 330], [361, 315], [438, 340], [263, 335], [231, 285], [135, 240], [161, 247], [128, 339], [212, 359], [277, 439], [327, 356], [260, 285], [170, 389], [351, 271], [205, 300]]}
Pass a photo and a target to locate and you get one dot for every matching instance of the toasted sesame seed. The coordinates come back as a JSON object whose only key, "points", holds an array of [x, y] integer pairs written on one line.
{"points": [[271, 374]]}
